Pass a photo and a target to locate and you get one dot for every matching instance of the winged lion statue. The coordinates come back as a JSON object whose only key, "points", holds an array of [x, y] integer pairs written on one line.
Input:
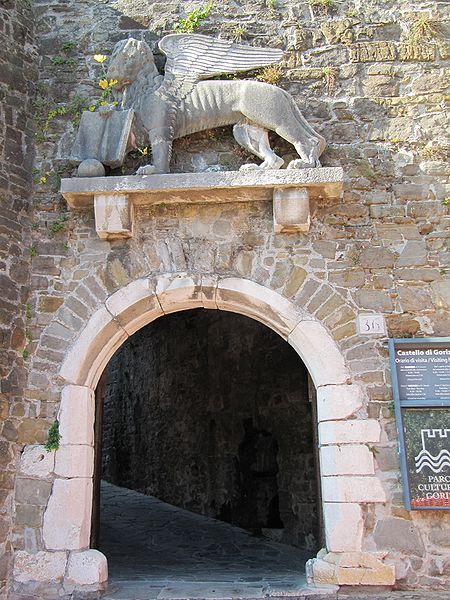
{"points": [[185, 100]]}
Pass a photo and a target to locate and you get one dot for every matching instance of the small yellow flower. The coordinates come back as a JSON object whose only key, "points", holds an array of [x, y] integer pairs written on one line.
{"points": [[143, 151], [92, 107], [43, 180], [100, 58], [112, 82], [103, 83]]}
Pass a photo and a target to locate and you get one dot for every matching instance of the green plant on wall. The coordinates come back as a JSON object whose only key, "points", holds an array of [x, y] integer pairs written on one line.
{"points": [[323, 7], [271, 74], [58, 226], [422, 29], [330, 75], [53, 437], [193, 19]]}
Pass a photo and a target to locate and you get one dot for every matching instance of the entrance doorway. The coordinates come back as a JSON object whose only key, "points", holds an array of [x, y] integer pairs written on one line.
{"points": [[205, 439]]}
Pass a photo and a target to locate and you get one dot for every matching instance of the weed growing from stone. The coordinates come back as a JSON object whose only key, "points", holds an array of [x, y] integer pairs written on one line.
{"points": [[271, 74], [53, 438], [423, 29], [323, 7], [193, 19], [28, 311], [238, 34], [32, 250], [58, 226], [330, 75], [25, 354]]}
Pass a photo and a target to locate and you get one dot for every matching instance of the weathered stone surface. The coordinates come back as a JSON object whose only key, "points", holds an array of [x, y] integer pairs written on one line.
{"points": [[76, 415], [413, 254], [336, 402], [399, 535], [372, 51], [67, 519], [349, 432], [416, 51], [352, 459], [344, 526], [376, 258], [352, 489], [37, 462], [74, 461], [32, 491], [413, 299], [42, 566], [374, 300], [441, 293], [87, 568]]}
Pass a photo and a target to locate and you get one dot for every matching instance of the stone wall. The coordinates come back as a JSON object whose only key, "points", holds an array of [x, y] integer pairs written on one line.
{"points": [[18, 73], [371, 77], [209, 411]]}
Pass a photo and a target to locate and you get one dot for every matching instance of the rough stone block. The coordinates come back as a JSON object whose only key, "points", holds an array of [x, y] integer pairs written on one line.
{"points": [[352, 489], [76, 415], [336, 402], [374, 300], [400, 535], [320, 353], [32, 491], [441, 293], [355, 431], [41, 566], [87, 568], [376, 258], [343, 526], [351, 459], [74, 461], [67, 519], [413, 254], [36, 461], [414, 298]]}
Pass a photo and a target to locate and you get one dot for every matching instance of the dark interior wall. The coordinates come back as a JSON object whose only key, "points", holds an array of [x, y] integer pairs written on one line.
{"points": [[209, 411]]}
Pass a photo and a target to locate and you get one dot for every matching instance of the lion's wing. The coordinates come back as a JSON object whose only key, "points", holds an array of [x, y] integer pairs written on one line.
{"points": [[196, 57]]}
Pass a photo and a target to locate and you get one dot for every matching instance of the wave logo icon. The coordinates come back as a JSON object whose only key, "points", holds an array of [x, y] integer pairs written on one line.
{"points": [[437, 463]]}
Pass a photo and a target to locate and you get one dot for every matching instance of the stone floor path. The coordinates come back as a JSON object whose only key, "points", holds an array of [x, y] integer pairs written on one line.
{"points": [[156, 550], [160, 552]]}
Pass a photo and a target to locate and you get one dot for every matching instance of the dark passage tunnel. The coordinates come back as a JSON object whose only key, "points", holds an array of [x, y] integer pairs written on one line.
{"points": [[210, 411]]}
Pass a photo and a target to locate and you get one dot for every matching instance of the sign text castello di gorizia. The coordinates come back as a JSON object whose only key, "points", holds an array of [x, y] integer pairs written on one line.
{"points": [[421, 385]]}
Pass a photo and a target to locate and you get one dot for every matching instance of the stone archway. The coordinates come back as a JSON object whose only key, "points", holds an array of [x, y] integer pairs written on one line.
{"points": [[348, 478]]}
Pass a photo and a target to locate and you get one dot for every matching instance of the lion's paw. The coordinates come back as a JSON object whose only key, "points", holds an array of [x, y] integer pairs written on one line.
{"points": [[299, 164], [146, 170], [249, 167]]}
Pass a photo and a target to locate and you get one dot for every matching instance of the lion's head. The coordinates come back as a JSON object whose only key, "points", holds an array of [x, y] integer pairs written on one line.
{"points": [[130, 58]]}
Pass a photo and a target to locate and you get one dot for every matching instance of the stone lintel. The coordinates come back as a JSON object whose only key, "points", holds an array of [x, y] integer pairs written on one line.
{"points": [[204, 188]]}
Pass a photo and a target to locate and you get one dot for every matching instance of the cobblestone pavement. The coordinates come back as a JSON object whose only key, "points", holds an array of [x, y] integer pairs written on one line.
{"points": [[159, 551]]}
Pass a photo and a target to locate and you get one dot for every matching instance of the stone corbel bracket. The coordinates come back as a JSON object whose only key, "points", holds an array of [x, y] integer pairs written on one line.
{"points": [[291, 191]]}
